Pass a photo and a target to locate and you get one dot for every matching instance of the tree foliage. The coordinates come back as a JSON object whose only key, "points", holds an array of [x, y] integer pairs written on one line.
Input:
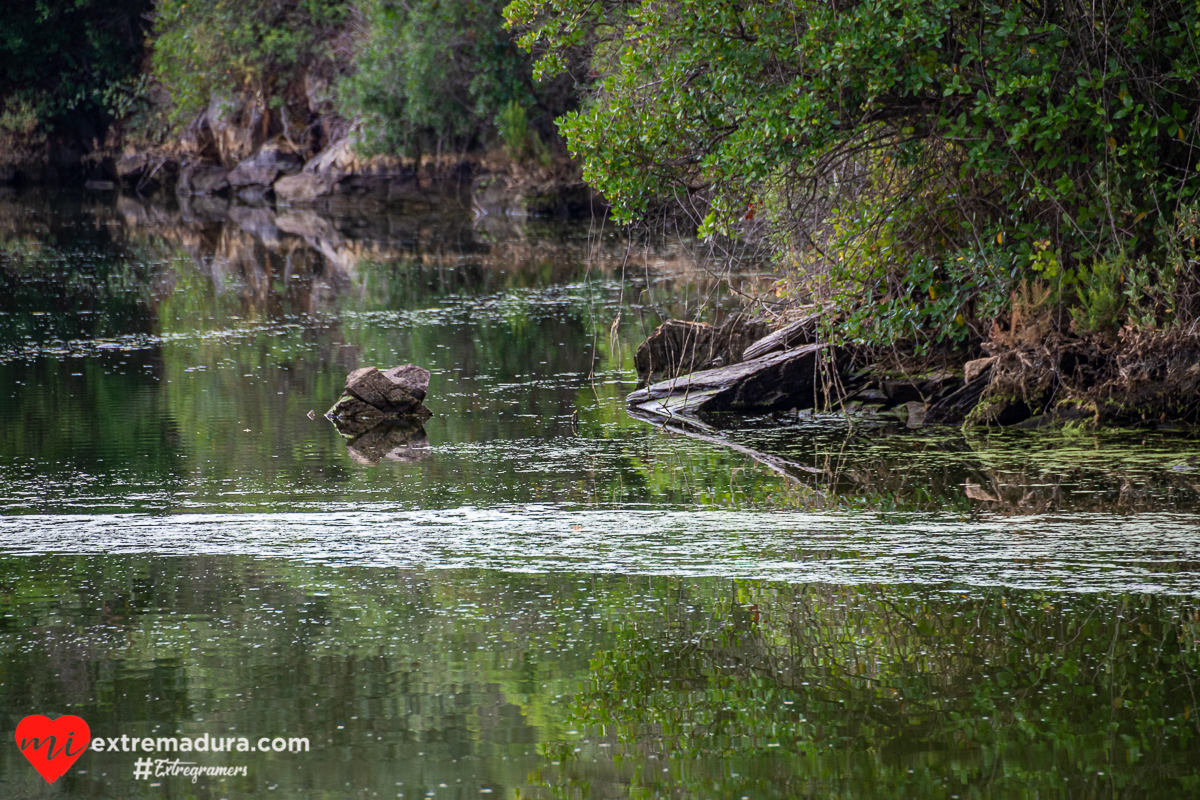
{"points": [[437, 72], [66, 66], [1030, 137], [217, 48]]}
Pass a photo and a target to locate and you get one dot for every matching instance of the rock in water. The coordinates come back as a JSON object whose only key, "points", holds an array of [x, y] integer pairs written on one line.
{"points": [[373, 398], [414, 379], [398, 391], [262, 168], [352, 416]]}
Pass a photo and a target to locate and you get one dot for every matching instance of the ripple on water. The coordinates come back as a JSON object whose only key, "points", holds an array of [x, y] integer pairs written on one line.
{"points": [[1154, 553]]}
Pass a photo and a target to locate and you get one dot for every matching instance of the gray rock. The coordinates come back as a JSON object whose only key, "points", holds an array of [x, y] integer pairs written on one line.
{"points": [[414, 379], [391, 396], [202, 179], [99, 186], [264, 168], [353, 416], [305, 187]]}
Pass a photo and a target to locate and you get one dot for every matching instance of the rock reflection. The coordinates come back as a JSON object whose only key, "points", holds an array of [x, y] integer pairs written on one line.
{"points": [[395, 439]]}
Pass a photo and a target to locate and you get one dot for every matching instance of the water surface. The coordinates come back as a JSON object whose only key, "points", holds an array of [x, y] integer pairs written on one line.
{"points": [[539, 595]]}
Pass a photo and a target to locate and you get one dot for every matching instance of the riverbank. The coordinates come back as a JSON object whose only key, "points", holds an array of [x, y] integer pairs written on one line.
{"points": [[285, 101], [1028, 375], [276, 174]]}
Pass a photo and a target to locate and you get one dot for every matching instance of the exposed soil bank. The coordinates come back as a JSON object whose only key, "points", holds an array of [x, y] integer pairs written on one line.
{"points": [[1028, 378]]}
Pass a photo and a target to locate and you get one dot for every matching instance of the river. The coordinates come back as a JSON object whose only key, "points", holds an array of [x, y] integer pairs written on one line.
{"points": [[538, 595]]}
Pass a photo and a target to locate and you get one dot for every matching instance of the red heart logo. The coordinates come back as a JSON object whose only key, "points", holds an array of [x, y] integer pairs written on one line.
{"points": [[51, 745]]}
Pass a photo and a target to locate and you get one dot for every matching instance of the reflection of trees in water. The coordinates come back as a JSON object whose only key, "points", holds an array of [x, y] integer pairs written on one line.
{"points": [[429, 679], [834, 463], [311, 257], [889, 691]]}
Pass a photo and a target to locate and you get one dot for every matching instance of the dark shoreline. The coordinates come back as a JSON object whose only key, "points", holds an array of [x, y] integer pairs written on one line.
{"points": [[692, 372]]}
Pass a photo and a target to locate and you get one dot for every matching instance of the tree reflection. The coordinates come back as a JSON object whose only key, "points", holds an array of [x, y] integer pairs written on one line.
{"points": [[892, 692]]}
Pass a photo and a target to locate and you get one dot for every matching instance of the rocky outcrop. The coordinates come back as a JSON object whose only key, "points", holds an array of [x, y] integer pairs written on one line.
{"points": [[202, 179], [341, 171], [237, 124], [264, 167]]}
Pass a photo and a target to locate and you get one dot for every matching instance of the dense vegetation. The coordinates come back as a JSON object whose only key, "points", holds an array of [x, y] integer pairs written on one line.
{"points": [[202, 50], [434, 75], [69, 68], [917, 164], [414, 77], [916, 161]]}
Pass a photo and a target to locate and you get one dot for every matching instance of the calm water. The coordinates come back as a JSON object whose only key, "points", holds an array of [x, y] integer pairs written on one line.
{"points": [[538, 595]]}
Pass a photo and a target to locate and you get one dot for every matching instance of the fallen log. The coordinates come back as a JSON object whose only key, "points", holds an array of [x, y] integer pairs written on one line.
{"points": [[780, 381], [801, 332]]}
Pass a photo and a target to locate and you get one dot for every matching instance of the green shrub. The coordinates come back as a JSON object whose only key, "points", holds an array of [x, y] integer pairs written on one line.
{"points": [[439, 74], [217, 47], [1056, 133], [512, 124]]}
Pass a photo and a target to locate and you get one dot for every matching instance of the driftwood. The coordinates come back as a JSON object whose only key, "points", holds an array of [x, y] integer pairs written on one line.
{"points": [[678, 347], [801, 332], [780, 381]]}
